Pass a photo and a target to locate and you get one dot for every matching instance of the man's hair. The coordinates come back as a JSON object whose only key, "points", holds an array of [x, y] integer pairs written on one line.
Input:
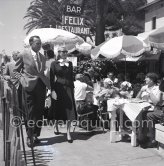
{"points": [[15, 53], [79, 77], [32, 39]]}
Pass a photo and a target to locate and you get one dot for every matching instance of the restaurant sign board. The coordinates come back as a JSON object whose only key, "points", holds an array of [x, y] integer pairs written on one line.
{"points": [[73, 22]]}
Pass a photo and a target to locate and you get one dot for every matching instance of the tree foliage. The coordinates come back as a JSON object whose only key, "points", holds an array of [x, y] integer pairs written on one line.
{"points": [[123, 14], [43, 13]]}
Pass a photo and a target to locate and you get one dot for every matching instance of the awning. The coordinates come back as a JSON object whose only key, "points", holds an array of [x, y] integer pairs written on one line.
{"points": [[146, 34], [151, 56]]}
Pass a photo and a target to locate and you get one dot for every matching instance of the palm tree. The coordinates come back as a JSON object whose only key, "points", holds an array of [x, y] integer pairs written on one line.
{"points": [[100, 21], [132, 22], [43, 13]]}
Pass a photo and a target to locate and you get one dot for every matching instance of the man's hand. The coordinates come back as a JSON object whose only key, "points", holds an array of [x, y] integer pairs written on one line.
{"points": [[54, 95], [7, 78]]}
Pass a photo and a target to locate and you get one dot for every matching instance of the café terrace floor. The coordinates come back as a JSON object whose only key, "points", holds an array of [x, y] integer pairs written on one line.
{"points": [[89, 148]]}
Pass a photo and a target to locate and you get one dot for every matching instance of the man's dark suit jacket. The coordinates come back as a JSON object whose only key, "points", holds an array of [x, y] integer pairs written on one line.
{"points": [[26, 70]]}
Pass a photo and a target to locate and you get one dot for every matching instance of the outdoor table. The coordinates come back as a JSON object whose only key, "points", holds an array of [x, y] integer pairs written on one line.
{"points": [[132, 109]]}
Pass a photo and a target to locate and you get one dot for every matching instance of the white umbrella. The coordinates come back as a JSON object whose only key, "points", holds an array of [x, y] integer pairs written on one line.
{"points": [[55, 37], [84, 48]]}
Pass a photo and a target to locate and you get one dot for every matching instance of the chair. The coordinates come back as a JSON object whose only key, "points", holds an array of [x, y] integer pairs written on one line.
{"points": [[101, 114], [82, 116]]}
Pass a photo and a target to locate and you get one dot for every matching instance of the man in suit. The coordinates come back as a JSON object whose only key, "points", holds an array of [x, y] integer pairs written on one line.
{"points": [[8, 72], [30, 67]]}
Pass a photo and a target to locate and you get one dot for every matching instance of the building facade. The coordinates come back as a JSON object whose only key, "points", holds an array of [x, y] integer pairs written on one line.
{"points": [[154, 14], [154, 18]]}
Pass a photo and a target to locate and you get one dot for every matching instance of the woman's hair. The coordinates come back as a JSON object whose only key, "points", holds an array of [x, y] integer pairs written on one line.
{"points": [[61, 48], [50, 54], [153, 77]]}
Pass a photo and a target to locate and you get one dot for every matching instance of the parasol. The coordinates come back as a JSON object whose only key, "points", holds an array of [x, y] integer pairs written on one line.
{"points": [[56, 37], [126, 45], [156, 38]]}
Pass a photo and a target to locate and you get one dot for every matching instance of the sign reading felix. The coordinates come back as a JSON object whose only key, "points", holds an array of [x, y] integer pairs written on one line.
{"points": [[72, 21]]}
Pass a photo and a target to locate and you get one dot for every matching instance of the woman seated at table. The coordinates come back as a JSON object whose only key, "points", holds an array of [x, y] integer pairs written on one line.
{"points": [[106, 92], [150, 92], [126, 91]]}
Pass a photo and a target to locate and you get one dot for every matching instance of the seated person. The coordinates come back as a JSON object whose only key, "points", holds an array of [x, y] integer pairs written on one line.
{"points": [[80, 93], [120, 79], [138, 83], [126, 90], [84, 107], [112, 77], [151, 88], [155, 116], [154, 94], [108, 91]]}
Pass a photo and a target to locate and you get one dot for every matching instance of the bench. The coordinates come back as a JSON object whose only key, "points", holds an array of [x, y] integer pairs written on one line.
{"points": [[159, 136]]}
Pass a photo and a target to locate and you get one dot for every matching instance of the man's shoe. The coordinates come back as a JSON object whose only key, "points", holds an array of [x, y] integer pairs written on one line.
{"points": [[151, 144], [57, 132], [69, 140], [30, 143], [143, 141], [36, 140]]}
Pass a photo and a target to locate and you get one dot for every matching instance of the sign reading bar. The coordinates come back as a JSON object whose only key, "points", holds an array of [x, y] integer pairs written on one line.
{"points": [[73, 9], [75, 29]]}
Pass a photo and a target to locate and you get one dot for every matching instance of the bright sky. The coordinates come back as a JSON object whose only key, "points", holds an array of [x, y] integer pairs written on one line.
{"points": [[12, 23]]}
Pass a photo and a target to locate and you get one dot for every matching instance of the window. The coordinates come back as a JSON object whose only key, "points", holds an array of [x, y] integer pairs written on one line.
{"points": [[154, 23]]}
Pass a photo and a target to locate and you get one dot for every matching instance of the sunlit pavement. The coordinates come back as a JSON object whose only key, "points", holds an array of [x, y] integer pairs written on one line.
{"points": [[89, 148], [1, 151]]}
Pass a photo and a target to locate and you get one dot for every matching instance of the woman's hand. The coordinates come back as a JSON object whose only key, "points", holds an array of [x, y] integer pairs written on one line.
{"points": [[143, 89], [54, 95]]}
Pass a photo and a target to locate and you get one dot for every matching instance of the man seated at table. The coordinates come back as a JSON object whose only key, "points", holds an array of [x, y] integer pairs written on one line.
{"points": [[153, 94], [84, 99]]}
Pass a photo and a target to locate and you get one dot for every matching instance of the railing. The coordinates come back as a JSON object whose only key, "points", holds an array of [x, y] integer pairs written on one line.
{"points": [[12, 146]]}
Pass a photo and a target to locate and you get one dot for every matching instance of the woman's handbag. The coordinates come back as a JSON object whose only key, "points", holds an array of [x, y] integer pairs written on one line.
{"points": [[161, 86]]}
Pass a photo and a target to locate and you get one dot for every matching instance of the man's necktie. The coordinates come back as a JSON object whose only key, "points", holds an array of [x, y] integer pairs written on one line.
{"points": [[38, 62]]}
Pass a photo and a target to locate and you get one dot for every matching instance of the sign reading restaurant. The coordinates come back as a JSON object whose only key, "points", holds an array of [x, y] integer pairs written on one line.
{"points": [[72, 22]]}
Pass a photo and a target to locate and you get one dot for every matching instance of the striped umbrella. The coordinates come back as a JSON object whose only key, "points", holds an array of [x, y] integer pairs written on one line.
{"points": [[126, 45], [156, 38]]}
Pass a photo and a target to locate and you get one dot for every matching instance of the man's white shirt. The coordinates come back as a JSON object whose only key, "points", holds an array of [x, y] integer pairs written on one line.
{"points": [[34, 55], [80, 90]]}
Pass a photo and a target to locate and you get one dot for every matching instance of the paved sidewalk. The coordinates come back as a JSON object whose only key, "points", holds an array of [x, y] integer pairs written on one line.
{"points": [[1, 151], [90, 148]]}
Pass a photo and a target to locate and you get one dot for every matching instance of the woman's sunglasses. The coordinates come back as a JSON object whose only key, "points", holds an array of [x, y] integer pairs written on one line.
{"points": [[62, 51]]}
